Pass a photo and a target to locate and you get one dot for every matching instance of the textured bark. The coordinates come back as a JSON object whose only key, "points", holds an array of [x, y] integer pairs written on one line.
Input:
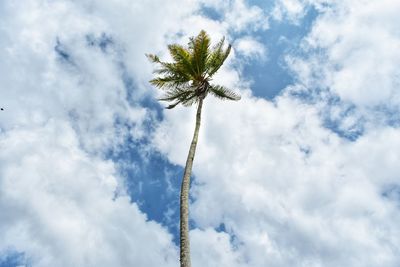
{"points": [[184, 201]]}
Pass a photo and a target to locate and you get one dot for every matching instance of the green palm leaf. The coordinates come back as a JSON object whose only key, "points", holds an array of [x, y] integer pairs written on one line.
{"points": [[182, 58], [217, 57], [199, 46], [224, 93], [171, 69], [169, 82]]}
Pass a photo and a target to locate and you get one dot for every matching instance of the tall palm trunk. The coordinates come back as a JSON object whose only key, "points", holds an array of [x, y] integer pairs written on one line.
{"points": [[184, 201]]}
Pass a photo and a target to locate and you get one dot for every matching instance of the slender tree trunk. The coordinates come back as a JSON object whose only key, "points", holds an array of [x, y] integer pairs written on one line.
{"points": [[184, 202]]}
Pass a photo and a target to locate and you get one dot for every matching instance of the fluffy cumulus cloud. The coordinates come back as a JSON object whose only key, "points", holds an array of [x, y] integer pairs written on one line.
{"points": [[277, 183], [288, 9], [251, 48], [353, 52], [74, 76], [289, 191], [238, 16], [66, 104], [288, 185], [60, 209]]}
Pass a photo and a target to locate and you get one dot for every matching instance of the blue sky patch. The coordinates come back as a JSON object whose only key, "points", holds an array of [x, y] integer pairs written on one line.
{"points": [[13, 259], [270, 77]]}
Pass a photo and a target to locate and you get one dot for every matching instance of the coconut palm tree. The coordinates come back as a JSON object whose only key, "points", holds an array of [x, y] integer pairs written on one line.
{"points": [[187, 81]]}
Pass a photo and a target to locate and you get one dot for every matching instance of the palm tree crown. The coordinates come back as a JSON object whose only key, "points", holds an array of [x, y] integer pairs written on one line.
{"points": [[188, 78]]}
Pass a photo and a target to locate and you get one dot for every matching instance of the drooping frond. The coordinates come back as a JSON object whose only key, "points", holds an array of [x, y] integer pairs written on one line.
{"points": [[186, 96], [177, 94], [190, 101], [223, 93]]}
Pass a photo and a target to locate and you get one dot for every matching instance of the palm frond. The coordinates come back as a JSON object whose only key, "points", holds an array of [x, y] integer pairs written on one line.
{"points": [[169, 69], [185, 96], [199, 47], [190, 101], [182, 57], [172, 105], [168, 82], [215, 54], [177, 94], [153, 58], [217, 58], [223, 93]]}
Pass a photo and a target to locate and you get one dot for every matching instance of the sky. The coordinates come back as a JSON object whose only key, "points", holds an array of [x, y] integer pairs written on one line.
{"points": [[302, 171]]}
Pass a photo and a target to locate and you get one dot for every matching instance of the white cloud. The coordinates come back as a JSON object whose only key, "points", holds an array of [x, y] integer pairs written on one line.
{"points": [[242, 17], [60, 209], [41, 84], [294, 10], [250, 48], [239, 16], [289, 191], [291, 9], [213, 248], [359, 58], [65, 105], [65, 69]]}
